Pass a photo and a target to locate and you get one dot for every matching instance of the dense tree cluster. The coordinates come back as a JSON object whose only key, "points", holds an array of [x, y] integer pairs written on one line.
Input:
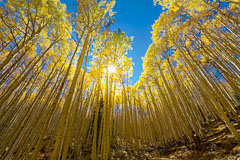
{"points": [[53, 102]]}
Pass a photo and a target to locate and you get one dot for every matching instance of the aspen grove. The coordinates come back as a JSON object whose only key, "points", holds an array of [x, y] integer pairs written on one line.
{"points": [[65, 77]]}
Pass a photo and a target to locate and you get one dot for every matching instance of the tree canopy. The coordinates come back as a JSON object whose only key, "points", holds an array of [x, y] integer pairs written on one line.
{"points": [[64, 78]]}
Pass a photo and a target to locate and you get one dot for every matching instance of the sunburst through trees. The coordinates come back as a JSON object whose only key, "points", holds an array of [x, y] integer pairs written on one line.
{"points": [[53, 102]]}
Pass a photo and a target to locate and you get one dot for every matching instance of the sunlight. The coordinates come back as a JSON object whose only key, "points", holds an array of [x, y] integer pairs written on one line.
{"points": [[74, 76], [111, 69]]}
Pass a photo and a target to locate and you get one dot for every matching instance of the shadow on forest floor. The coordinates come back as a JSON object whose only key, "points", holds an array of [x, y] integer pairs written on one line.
{"points": [[216, 143]]}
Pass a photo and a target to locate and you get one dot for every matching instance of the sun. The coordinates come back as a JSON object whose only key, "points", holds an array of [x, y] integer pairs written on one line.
{"points": [[111, 68]]}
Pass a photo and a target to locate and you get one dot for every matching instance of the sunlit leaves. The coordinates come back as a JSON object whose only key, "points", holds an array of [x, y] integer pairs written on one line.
{"points": [[49, 93]]}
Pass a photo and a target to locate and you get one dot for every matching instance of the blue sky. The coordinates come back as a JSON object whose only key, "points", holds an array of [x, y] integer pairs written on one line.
{"points": [[135, 18]]}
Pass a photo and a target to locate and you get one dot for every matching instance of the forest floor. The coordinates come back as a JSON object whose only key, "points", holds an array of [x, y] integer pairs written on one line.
{"points": [[216, 143]]}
